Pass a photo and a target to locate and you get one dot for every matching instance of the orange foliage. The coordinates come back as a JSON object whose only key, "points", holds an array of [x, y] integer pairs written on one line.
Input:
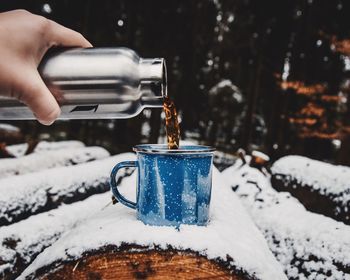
{"points": [[301, 88], [311, 109], [317, 134], [341, 46], [331, 98], [303, 121]]}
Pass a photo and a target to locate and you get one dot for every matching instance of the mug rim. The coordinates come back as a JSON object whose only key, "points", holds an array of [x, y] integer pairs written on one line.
{"points": [[163, 149]]}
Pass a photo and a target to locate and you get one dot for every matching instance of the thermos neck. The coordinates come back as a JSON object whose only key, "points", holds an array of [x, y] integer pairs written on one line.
{"points": [[153, 81]]}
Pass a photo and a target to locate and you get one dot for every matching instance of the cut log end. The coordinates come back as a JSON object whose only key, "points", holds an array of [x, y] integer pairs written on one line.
{"points": [[259, 160], [145, 264]]}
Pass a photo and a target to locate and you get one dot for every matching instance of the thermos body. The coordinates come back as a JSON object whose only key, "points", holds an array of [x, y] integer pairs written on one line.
{"points": [[97, 83]]}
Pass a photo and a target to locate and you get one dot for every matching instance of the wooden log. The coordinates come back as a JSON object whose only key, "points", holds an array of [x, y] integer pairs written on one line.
{"points": [[113, 244], [308, 245], [321, 187], [242, 155], [21, 242], [49, 159], [32, 144], [135, 262], [4, 153], [259, 160], [10, 134], [223, 160], [25, 195], [19, 150]]}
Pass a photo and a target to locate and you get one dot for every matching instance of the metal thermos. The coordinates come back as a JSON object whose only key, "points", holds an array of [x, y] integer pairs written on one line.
{"points": [[97, 83]]}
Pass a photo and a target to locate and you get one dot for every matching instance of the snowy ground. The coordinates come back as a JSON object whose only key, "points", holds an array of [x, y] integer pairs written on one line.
{"points": [[266, 233]]}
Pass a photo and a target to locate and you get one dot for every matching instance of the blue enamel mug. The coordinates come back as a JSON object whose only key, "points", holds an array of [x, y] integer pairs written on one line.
{"points": [[173, 186]]}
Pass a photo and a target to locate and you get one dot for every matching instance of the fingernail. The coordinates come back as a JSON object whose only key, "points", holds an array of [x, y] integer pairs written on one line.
{"points": [[46, 122]]}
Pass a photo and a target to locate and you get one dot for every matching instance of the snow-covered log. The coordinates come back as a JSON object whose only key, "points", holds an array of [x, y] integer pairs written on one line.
{"points": [[114, 244], [4, 153], [223, 160], [322, 187], [49, 159], [25, 195], [19, 150], [21, 242], [308, 245], [10, 134], [259, 160]]}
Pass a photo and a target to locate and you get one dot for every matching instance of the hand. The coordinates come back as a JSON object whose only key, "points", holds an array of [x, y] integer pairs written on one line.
{"points": [[24, 39]]}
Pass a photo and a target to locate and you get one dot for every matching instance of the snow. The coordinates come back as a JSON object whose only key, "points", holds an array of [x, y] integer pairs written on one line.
{"points": [[34, 192], [49, 159], [223, 160], [8, 127], [260, 155], [324, 179], [327, 179], [33, 235], [306, 244], [236, 93], [19, 149], [229, 233]]}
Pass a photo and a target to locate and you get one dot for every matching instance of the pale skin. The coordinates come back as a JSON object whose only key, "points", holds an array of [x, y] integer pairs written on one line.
{"points": [[24, 39]]}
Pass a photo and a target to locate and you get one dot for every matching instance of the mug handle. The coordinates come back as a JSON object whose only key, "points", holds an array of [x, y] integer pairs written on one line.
{"points": [[113, 183]]}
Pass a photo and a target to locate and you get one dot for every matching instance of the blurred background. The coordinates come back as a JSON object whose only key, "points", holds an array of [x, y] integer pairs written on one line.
{"points": [[268, 75]]}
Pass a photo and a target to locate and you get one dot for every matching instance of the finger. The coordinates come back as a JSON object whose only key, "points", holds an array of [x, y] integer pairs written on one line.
{"points": [[63, 36], [39, 99]]}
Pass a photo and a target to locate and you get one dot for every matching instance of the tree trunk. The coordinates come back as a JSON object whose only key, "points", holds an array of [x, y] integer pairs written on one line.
{"points": [[344, 151], [155, 123], [252, 102]]}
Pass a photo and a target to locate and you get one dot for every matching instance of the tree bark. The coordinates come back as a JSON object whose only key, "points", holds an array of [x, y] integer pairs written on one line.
{"points": [[155, 123], [344, 151], [252, 99]]}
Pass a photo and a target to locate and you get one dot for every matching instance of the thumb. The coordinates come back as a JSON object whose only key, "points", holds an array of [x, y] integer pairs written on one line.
{"points": [[39, 99]]}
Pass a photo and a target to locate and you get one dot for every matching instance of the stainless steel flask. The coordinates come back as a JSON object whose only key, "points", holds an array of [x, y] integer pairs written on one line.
{"points": [[97, 83]]}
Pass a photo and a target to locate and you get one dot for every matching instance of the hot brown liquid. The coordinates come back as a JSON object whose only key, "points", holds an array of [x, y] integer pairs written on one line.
{"points": [[171, 124]]}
